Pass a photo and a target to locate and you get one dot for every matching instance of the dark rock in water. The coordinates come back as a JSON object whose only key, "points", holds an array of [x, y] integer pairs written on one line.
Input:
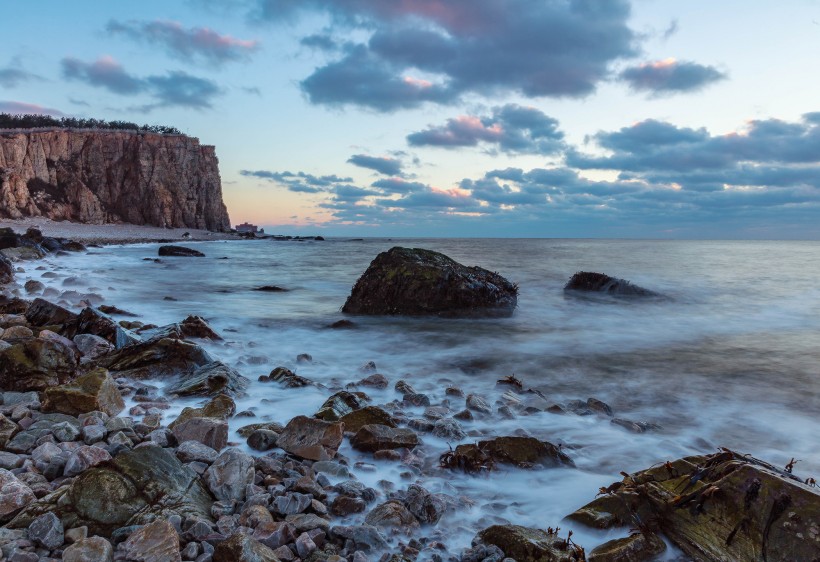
{"points": [[93, 391], [135, 488], [525, 544], [288, 378], [342, 325], [311, 439], [590, 282], [357, 419], [6, 270], [364, 537], [599, 406], [91, 321], [110, 309], [413, 281], [724, 506], [209, 380], [634, 548], [156, 358], [635, 426], [33, 286], [376, 437], [197, 327], [391, 513], [36, 364], [219, 407], [341, 404], [13, 305], [524, 452], [262, 440], [271, 289], [181, 251]]}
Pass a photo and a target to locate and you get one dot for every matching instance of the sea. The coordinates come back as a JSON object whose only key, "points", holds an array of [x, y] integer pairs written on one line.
{"points": [[729, 357]]}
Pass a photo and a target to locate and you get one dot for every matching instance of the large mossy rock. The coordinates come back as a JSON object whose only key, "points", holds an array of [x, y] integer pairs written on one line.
{"points": [[724, 507], [525, 544], [36, 364], [590, 282], [93, 391], [135, 488], [156, 358], [413, 281], [523, 452]]}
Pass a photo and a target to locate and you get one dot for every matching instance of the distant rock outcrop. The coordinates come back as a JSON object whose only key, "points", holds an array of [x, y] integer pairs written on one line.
{"points": [[413, 281], [104, 176], [591, 282]]}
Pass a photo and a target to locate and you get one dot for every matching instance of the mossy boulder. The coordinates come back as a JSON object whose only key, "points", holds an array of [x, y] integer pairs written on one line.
{"points": [[591, 282], [93, 391], [414, 281], [36, 364], [525, 544], [727, 506], [135, 488]]}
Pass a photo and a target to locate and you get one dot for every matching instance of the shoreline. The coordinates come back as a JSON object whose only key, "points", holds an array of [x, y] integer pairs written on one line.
{"points": [[113, 233]]}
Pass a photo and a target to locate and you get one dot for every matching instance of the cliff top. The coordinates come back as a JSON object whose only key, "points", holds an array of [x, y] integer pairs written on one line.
{"points": [[34, 123]]}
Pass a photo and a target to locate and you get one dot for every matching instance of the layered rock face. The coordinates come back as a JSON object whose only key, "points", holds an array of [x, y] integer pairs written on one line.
{"points": [[111, 176]]}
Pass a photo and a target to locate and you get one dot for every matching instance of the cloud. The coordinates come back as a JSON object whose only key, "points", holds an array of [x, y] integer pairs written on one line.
{"points": [[174, 89], [381, 164], [299, 182], [12, 76], [670, 76], [511, 128], [671, 29], [28, 108], [320, 41], [194, 44], [420, 51]]}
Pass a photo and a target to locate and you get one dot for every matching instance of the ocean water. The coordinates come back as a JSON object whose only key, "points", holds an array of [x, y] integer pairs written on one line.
{"points": [[730, 358]]}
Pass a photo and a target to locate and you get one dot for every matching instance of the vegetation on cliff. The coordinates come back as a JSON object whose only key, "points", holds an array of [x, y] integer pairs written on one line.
{"points": [[34, 121]]}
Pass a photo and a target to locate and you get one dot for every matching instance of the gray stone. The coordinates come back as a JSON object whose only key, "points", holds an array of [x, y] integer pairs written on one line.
{"points": [[91, 347], [155, 542], [190, 451], [83, 458], [208, 431], [305, 546], [93, 434], [292, 503], [311, 439], [364, 537], [92, 549], [262, 440], [478, 404], [450, 429], [47, 531], [9, 461], [230, 474], [65, 431]]}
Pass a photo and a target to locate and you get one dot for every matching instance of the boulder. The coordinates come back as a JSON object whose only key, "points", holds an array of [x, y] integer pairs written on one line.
{"points": [[7, 430], [155, 542], [6, 270], [135, 488], [341, 403], [157, 358], [92, 321], [288, 378], [230, 474], [391, 514], [91, 549], [210, 432], [725, 506], [377, 437], [525, 544], [180, 251], [14, 495], [311, 439], [93, 391], [639, 547], [47, 531], [44, 313], [368, 415], [414, 281], [241, 547], [36, 364], [210, 379], [426, 507], [523, 452], [91, 347], [220, 407], [590, 282], [197, 327]]}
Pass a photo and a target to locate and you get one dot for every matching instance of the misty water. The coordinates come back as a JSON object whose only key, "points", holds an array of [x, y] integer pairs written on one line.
{"points": [[730, 358]]}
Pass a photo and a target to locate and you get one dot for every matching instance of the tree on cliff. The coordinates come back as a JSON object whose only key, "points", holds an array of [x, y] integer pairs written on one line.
{"points": [[34, 121]]}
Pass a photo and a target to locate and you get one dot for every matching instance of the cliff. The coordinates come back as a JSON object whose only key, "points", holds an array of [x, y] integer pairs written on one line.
{"points": [[98, 176]]}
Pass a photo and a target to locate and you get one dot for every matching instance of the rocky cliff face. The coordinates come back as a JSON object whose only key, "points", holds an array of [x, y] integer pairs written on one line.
{"points": [[111, 176]]}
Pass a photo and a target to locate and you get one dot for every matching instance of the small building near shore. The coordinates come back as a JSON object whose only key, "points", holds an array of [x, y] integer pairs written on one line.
{"points": [[248, 227]]}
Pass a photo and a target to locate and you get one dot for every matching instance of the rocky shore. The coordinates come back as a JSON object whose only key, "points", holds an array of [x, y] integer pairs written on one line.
{"points": [[93, 467]]}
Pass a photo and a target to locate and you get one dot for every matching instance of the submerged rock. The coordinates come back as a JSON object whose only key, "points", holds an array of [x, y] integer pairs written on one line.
{"points": [[357, 419], [377, 437], [413, 281], [590, 282], [197, 327], [156, 359], [180, 251], [524, 452], [341, 404]]}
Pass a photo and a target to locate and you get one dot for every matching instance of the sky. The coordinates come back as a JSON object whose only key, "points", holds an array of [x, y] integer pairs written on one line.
{"points": [[497, 118]]}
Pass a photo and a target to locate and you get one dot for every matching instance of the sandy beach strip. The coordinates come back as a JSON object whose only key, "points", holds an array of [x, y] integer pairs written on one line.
{"points": [[106, 234]]}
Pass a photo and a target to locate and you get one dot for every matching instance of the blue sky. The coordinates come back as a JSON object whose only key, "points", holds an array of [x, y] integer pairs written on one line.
{"points": [[526, 118]]}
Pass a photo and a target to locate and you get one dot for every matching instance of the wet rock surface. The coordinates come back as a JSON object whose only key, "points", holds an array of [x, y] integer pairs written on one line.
{"points": [[414, 281], [590, 282]]}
